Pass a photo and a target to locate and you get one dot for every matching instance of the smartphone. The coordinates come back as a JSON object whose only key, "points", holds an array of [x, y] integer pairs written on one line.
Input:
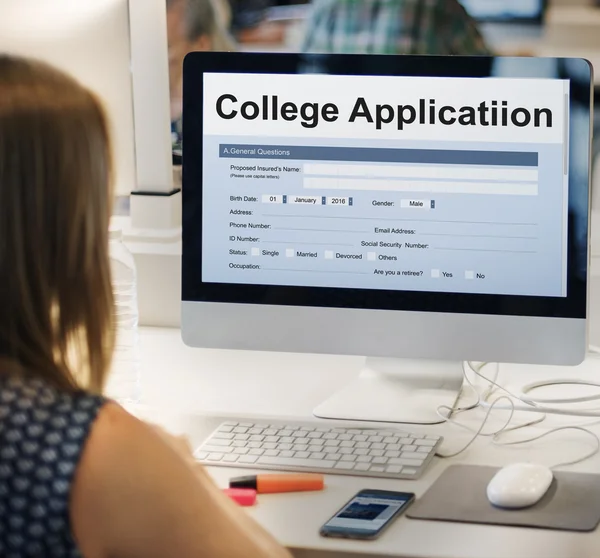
{"points": [[367, 514]]}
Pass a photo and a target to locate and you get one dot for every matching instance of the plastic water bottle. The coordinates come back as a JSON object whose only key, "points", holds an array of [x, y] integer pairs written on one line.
{"points": [[124, 381]]}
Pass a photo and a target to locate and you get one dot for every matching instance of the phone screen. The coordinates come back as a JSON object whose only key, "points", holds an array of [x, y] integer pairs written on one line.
{"points": [[367, 513]]}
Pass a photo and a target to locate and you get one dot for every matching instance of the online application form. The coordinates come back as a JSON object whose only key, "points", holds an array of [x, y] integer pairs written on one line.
{"points": [[392, 183]]}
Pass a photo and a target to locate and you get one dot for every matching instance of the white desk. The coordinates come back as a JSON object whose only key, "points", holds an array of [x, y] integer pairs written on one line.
{"points": [[180, 382]]}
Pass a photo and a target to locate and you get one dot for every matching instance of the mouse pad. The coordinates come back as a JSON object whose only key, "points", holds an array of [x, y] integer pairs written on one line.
{"points": [[571, 504]]}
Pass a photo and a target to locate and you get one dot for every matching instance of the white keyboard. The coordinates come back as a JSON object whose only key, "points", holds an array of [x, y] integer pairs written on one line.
{"points": [[385, 453]]}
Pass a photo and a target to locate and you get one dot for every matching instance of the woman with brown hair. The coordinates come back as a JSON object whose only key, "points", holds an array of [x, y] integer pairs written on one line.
{"points": [[78, 475]]}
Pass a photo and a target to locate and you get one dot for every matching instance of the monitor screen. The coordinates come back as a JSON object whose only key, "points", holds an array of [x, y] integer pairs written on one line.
{"points": [[505, 10], [362, 204], [391, 183]]}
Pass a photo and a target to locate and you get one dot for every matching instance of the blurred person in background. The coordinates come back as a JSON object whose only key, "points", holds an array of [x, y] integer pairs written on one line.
{"points": [[192, 25], [250, 25], [392, 27], [79, 476]]}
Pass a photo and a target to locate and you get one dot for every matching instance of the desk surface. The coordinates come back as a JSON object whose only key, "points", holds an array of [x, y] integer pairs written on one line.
{"points": [[181, 384]]}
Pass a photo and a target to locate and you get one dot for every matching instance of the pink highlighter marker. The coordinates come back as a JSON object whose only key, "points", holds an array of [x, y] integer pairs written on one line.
{"points": [[243, 496]]}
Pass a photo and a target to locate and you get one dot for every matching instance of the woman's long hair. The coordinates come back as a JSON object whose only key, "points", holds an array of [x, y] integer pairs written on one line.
{"points": [[55, 204]]}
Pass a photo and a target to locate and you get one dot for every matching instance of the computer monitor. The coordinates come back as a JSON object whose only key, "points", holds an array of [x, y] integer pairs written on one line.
{"points": [[396, 207]]}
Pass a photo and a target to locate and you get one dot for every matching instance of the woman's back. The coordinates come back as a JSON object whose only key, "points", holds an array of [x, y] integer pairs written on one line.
{"points": [[42, 435], [80, 477]]}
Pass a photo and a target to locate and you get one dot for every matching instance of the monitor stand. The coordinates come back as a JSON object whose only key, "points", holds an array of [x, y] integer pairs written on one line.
{"points": [[398, 391]]}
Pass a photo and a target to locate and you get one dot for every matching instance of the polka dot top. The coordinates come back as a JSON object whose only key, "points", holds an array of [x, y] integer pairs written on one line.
{"points": [[42, 434]]}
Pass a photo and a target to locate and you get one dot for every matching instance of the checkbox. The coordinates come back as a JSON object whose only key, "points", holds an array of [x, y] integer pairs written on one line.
{"points": [[469, 275], [371, 256], [255, 251], [435, 273], [328, 255], [289, 253]]}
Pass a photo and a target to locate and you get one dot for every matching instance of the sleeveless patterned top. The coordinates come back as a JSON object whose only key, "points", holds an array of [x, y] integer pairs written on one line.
{"points": [[42, 434]]}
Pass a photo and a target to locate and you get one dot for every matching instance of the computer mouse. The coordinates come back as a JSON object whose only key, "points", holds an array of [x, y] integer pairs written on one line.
{"points": [[519, 485]]}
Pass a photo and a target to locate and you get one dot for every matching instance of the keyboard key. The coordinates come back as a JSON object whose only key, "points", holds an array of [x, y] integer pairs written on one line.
{"points": [[227, 424], [299, 434], [284, 447], [393, 447], [362, 445], [412, 455], [380, 460], [424, 449], [241, 451], [390, 440], [269, 445], [364, 459], [270, 432], [323, 430], [377, 469], [376, 453], [242, 437], [301, 447], [249, 459], [217, 449], [426, 442], [307, 429], [285, 432], [378, 446], [246, 424], [361, 451], [394, 469], [254, 445], [240, 430], [351, 458], [330, 436], [272, 453], [315, 435], [362, 467], [354, 431], [287, 440], [201, 455], [347, 444], [375, 439], [332, 443], [345, 451], [359, 438], [215, 457], [333, 456], [303, 454], [317, 455], [272, 439], [237, 444], [346, 465], [255, 431], [407, 441], [344, 437], [217, 442], [287, 454], [317, 443], [257, 438], [223, 436], [407, 471], [231, 458], [406, 462], [308, 463], [392, 454]]}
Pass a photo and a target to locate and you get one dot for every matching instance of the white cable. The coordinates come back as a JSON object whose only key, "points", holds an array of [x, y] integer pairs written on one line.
{"points": [[506, 428], [478, 432], [554, 431]]}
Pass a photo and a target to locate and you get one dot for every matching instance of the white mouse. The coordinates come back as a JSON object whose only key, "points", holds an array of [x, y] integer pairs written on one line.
{"points": [[519, 485]]}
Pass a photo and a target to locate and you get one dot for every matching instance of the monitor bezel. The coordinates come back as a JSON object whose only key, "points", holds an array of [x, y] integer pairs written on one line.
{"points": [[574, 305]]}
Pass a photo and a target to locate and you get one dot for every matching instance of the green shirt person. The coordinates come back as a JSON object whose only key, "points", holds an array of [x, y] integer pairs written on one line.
{"points": [[392, 27]]}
